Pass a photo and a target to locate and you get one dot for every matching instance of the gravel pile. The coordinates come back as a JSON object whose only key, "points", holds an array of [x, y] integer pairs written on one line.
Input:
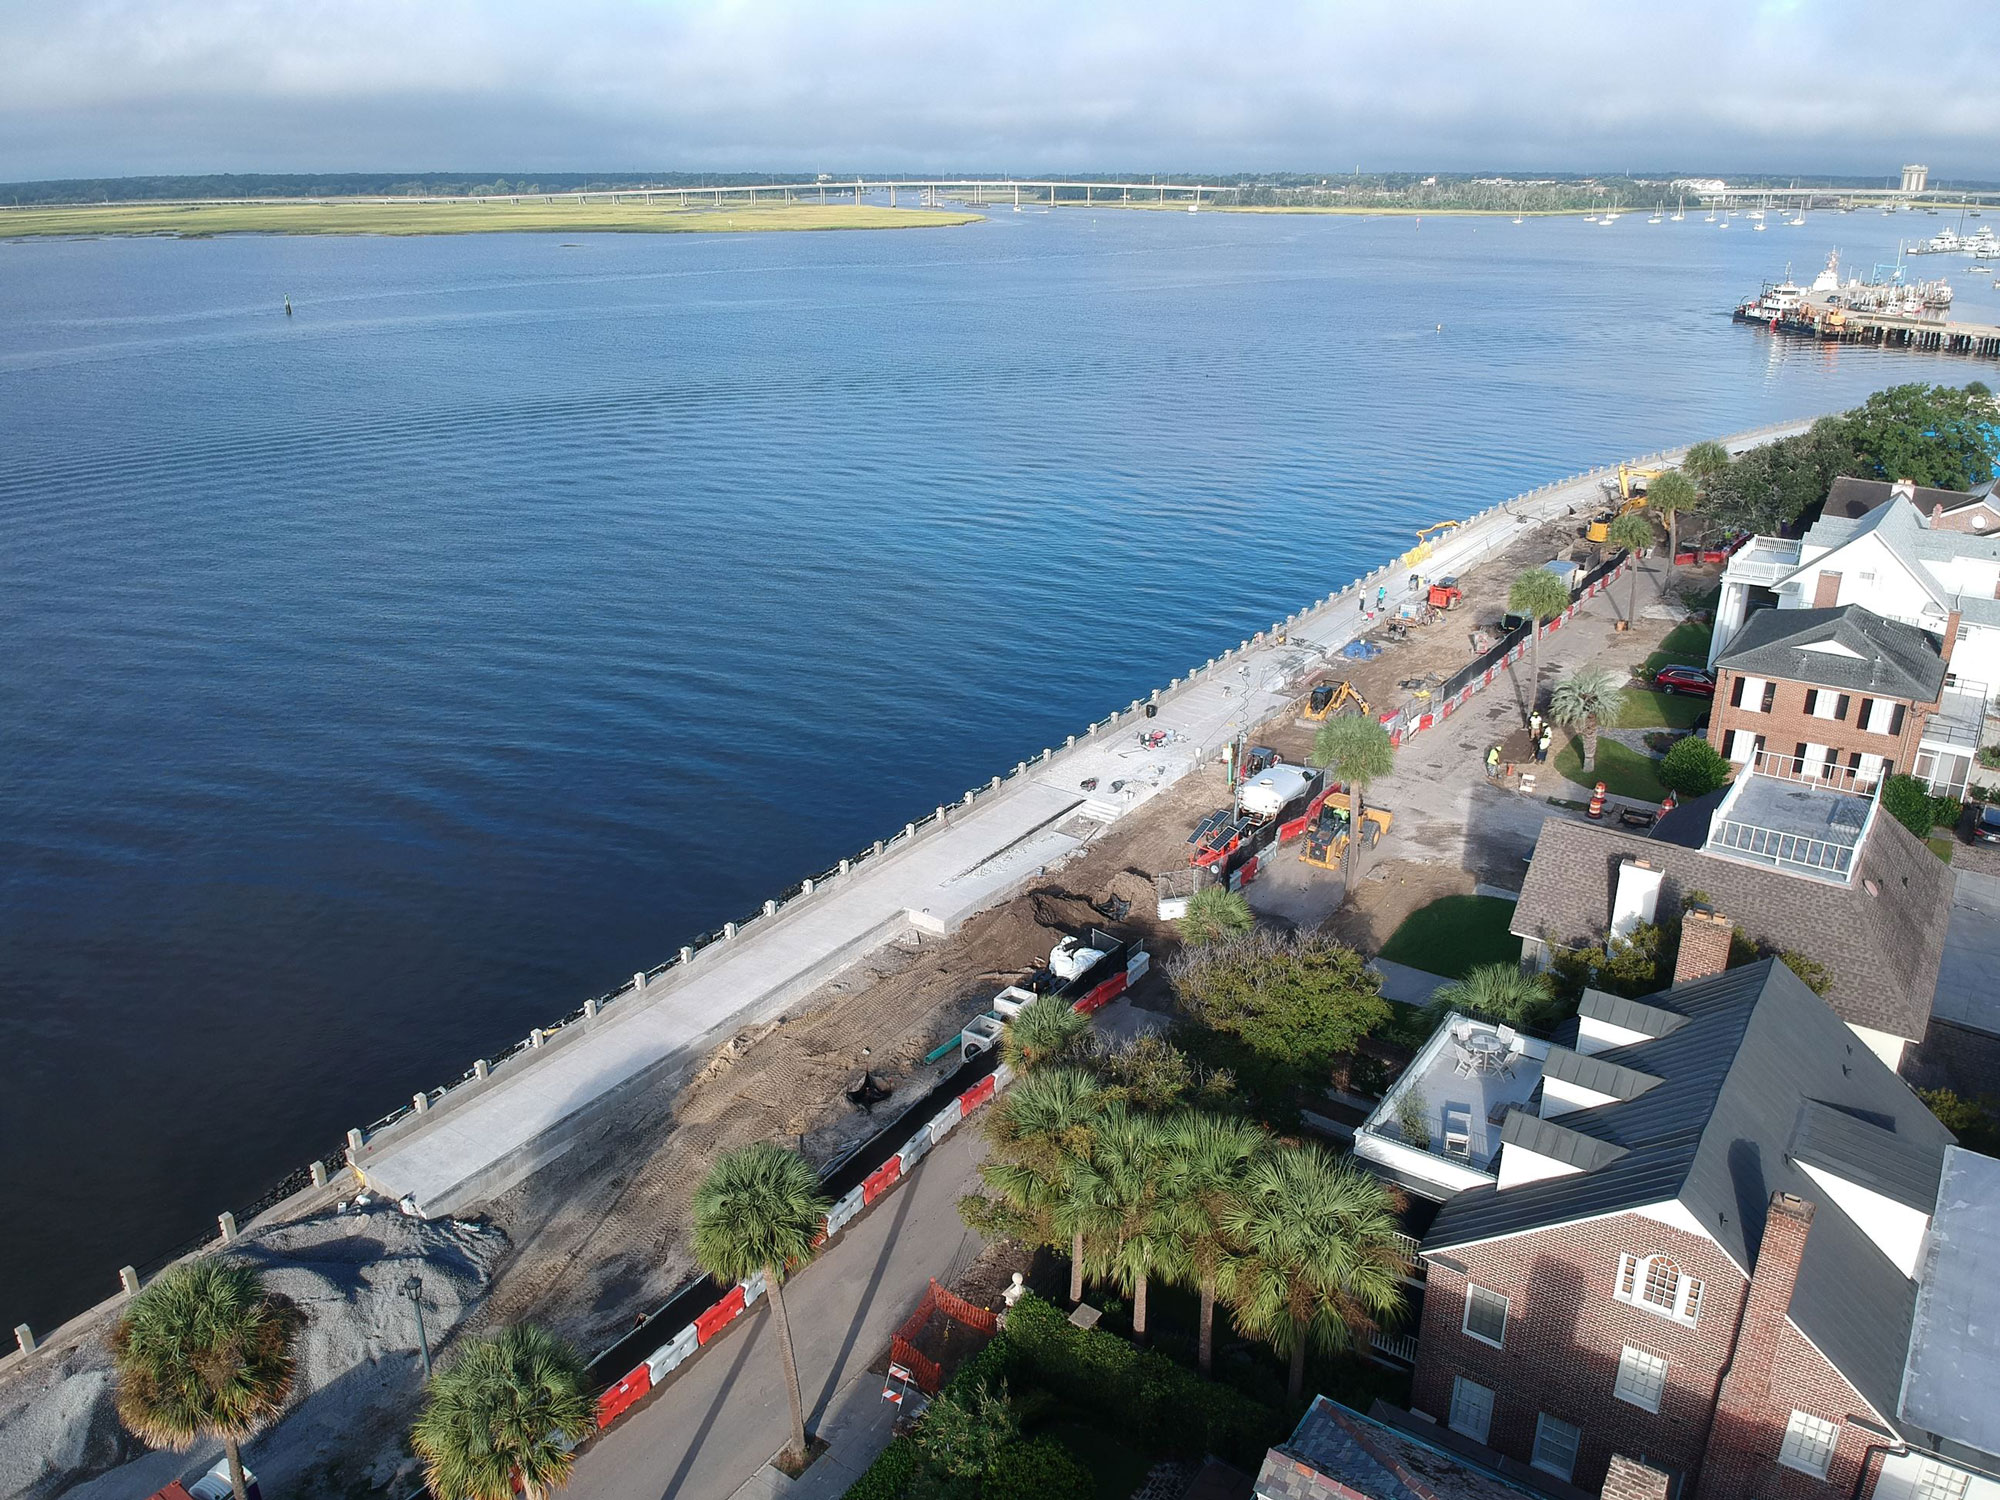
{"points": [[360, 1378]]}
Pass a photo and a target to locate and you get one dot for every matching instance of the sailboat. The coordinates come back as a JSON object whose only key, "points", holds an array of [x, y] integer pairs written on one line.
{"points": [[1711, 215], [1681, 212], [1659, 215], [1610, 214]]}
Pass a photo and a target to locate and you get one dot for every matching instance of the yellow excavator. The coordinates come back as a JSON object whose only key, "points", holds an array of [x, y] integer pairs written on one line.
{"points": [[1330, 698], [1631, 489]]}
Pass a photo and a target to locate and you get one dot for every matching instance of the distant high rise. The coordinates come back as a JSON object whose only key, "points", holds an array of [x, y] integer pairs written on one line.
{"points": [[1914, 178]]}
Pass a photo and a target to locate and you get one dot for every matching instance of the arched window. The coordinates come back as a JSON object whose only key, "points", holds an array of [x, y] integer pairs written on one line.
{"points": [[1657, 1284]]}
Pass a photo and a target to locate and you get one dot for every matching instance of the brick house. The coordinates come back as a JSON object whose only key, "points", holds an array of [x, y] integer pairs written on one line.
{"points": [[1704, 1251], [1839, 695], [1798, 868], [1971, 510]]}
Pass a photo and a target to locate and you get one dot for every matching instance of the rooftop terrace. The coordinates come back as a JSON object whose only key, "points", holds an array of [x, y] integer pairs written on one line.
{"points": [[1800, 827], [1457, 1093]]}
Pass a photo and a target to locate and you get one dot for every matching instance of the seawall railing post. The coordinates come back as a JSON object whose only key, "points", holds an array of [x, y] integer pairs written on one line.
{"points": [[355, 1141], [770, 908], [878, 842], [25, 1337], [481, 1069], [846, 868], [909, 830], [128, 1280], [590, 1006], [728, 930], [226, 1222], [420, 1102], [807, 886], [994, 784]]}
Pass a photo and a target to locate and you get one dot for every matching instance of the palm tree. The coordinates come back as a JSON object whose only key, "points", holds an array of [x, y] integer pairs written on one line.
{"points": [[1044, 1131], [1633, 532], [1541, 596], [1215, 912], [1496, 992], [1704, 463], [1321, 1264], [1357, 750], [1124, 1201], [1585, 700], [760, 1209], [1666, 497], [205, 1351], [1206, 1172], [1045, 1032], [510, 1407]]}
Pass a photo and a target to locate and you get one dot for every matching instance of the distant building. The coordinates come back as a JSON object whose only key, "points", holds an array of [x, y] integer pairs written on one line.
{"points": [[1801, 868], [1707, 186], [1728, 1241], [1915, 178]]}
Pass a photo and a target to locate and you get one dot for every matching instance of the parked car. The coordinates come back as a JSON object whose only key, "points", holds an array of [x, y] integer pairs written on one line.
{"points": [[1696, 682], [1986, 827]]}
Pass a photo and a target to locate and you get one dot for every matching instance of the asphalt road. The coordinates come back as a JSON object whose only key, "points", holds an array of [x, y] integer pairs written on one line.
{"points": [[725, 1415]]}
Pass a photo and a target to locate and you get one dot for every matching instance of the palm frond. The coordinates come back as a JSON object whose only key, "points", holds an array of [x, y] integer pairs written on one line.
{"points": [[759, 1209]]}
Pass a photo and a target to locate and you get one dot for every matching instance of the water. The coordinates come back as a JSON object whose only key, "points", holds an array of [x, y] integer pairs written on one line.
{"points": [[379, 682]]}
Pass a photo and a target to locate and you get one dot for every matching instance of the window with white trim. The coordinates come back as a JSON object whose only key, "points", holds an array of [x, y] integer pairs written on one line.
{"points": [[1808, 1445], [1939, 1481], [1642, 1378], [1485, 1316], [1556, 1442], [1471, 1409], [1657, 1284]]}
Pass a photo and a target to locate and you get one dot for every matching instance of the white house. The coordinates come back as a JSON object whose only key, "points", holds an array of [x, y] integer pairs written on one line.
{"points": [[1903, 564]]}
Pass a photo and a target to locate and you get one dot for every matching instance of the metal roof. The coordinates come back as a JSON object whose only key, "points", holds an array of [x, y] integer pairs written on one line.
{"points": [[1555, 1140], [1953, 1366], [1864, 1152], [1596, 1074], [1632, 1015]]}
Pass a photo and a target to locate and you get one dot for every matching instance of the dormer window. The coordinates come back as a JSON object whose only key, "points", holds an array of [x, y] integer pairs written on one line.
{"points": [[1658, 1285]]}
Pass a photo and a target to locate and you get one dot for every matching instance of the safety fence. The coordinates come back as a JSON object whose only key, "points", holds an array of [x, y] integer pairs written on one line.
{"points": [[903, 1348], [711, 1309]]}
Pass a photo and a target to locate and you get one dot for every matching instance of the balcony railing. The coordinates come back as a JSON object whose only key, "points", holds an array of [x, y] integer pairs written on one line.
{"points": [[1834, 777], [1763, 562], [1397, 1346], [1961, 716], [1791, 851]]}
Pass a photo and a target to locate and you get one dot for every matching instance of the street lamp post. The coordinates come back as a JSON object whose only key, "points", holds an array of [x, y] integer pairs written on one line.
{"points": [[414, 1290]]}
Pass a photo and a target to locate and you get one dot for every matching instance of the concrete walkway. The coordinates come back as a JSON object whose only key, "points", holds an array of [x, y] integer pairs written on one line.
{"points": [[483, 1137], [711, 1431]]}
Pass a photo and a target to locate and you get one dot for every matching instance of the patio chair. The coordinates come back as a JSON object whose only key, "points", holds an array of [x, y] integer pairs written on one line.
{"points": [[1457, 1120]]}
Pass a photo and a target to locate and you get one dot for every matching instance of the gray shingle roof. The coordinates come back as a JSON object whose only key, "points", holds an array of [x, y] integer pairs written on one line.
{"points": [[1882, 950], [1854, 498], [1889, 657], [1371, 1458], [1714, 1134]]}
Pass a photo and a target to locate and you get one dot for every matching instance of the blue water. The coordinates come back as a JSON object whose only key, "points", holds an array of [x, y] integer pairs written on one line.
{"points": [[380, 681]]}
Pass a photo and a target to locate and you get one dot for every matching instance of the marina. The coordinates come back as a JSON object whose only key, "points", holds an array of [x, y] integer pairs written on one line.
{"points": [[1886, 310]]}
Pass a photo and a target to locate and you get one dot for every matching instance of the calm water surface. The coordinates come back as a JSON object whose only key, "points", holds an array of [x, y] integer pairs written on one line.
{"points": [[378, 682]]}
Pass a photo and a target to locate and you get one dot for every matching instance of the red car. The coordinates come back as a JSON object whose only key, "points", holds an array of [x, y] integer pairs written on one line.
{"points": [[1696, 682]]}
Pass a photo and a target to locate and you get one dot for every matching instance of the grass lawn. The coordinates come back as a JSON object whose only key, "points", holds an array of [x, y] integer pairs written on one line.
{"points": [[1624, 771], [1645, 709], [1942, 845], [1686, 645], [1453, 934], [1118, 1469]]}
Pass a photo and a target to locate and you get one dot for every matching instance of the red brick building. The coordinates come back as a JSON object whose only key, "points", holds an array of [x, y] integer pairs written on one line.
{"points": [[1702, 1252]]}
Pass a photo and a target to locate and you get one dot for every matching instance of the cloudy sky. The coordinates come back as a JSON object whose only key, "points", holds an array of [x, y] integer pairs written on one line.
{"points": [[109, 87]]}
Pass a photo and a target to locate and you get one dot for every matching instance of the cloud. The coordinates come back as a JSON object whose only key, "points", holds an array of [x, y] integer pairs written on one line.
{"points": [[105, 87]]}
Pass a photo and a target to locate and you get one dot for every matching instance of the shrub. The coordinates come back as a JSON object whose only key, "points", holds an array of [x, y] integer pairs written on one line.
{"points": [[1818, 978], [1908, 801], [1693, 768], [966, 1429], [889, 1477], [1040, 1469], [1216, 912], [1412, 1118], [1162, 1405], [1971, 1120], [1298, 1000]]}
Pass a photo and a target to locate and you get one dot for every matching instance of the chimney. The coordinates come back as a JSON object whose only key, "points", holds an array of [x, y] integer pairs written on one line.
{"points": [[1743, 1442], [1951, 631], [1637, 897], [1705, 939], [1631, 1480], [1903, 489]]}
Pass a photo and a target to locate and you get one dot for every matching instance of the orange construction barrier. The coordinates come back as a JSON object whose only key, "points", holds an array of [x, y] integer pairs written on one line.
{"points": [[1597, 801]]}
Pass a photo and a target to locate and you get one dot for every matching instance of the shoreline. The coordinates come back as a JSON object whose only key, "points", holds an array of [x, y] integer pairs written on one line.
{"points": [[409, 218]]}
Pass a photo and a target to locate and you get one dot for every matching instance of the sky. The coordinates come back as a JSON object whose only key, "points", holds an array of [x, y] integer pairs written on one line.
{"points": [[93, 88]]}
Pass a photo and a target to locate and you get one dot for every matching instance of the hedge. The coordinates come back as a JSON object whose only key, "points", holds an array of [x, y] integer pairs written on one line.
{"points": [[1038, 1469], [890, 1475]]}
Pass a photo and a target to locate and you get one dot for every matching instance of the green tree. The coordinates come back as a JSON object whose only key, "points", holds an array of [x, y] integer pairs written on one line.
{"points": [[507, 1408], [760, 1209], [1818, 978], [1150, 1072], [1356, 748], [1908, 801], [965, 1431], [1215, 912], [205, 1351], [1668, 497], [1585, 700], [1298, 1000], [1693, 768], [1934, 434], [1976, 1122], [1321, 1263], [1541, 596], [1044, 1133], [1498, 992], [1770, 485], [1047, 1032], [1207, 1168], [1704, 463], [1633, 532], [1124, 1184]]}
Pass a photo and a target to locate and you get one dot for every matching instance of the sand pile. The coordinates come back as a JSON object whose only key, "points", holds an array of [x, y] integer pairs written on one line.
{"points": [[359, 1374]]}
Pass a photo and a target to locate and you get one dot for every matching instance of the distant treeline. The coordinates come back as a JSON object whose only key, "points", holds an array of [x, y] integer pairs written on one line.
{"points": [[360, 185]]}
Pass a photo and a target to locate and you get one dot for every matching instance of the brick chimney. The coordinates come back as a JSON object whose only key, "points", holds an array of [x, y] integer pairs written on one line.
{"points": [[1705, 937], [1951, 630], [1631, 1480], [1748, 1429]]}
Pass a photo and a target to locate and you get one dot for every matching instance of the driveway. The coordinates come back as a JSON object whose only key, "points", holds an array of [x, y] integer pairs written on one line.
{"points": [[725, 1415], [1966, 993]]}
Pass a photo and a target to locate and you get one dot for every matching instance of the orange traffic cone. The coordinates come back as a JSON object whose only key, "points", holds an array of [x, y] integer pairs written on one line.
{"points": [[1597, 801]]}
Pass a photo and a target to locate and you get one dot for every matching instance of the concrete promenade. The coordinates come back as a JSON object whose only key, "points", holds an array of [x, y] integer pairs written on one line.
{"points": [[482, 1137]]}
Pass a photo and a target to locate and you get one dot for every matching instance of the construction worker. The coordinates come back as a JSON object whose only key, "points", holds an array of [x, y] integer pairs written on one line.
{"points": [[1542, 744], [1535, 725], [1492, 762], [1381, 595]]}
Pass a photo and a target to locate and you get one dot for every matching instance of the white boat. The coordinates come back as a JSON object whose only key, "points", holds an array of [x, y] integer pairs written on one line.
{"points": [[1681, 212], [1517, 218]]}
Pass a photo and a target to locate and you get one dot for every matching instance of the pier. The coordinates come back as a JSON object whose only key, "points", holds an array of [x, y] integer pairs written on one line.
{"points": [[1817, 317]]}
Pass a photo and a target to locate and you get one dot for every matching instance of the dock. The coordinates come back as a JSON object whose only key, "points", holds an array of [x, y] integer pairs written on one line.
{"points": [[1818, 317]]}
